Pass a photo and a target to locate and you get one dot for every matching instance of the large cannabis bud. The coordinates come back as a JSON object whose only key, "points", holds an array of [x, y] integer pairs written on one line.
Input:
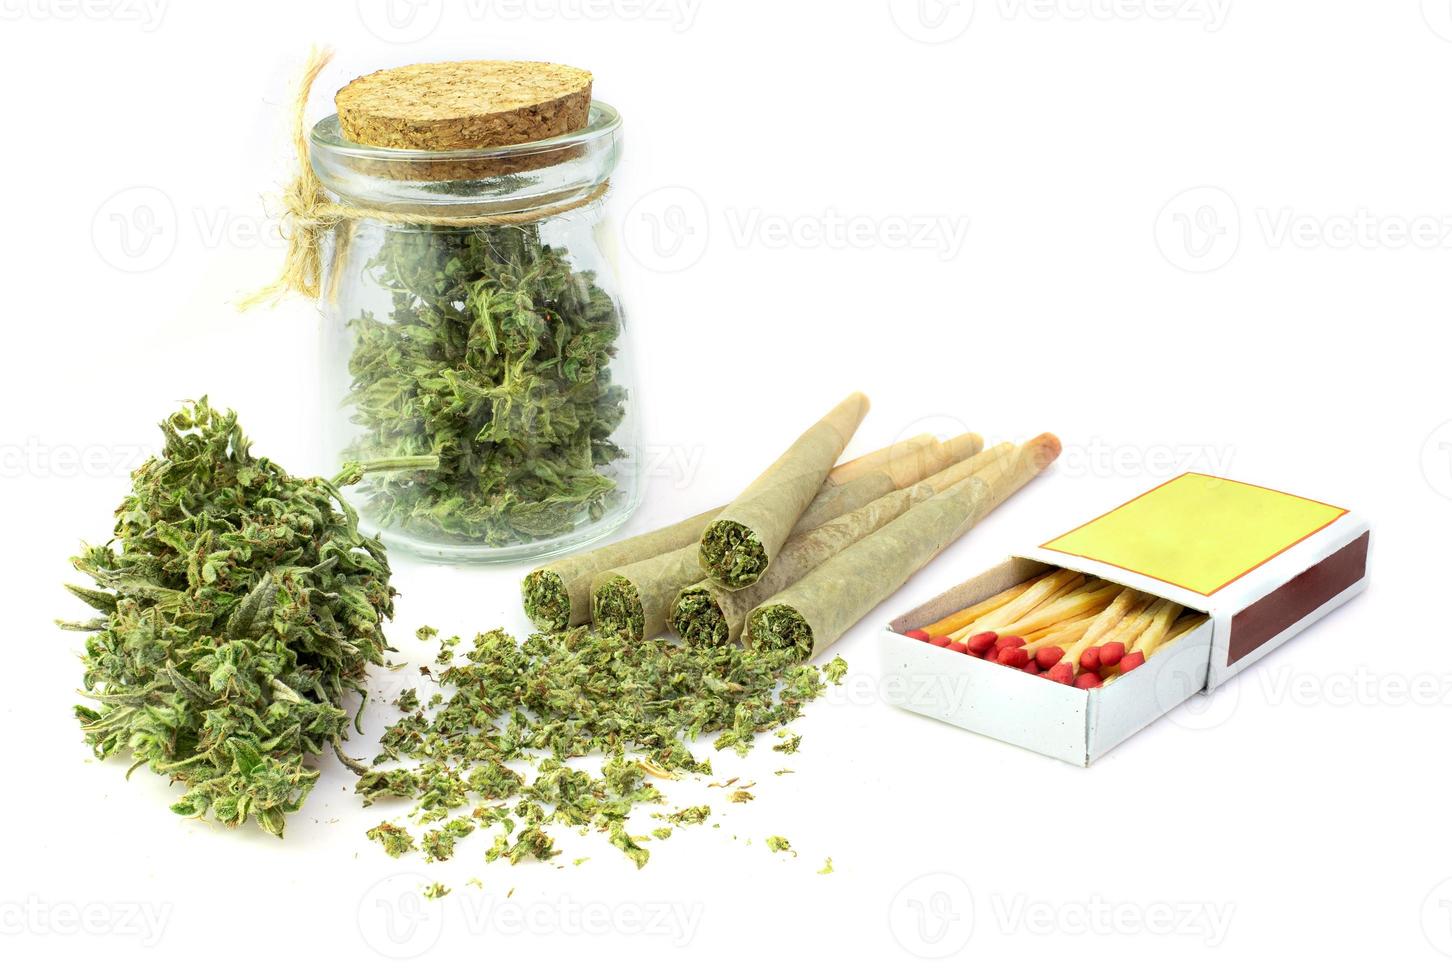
{"points": [[240, 607], [496, 359]]}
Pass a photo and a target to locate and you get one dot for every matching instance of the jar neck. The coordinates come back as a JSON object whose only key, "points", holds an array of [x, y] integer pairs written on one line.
{"points": [[557, 172]]}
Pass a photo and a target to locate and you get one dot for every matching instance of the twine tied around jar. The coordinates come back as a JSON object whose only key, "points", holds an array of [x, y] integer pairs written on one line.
{"points": [[310, 215]]}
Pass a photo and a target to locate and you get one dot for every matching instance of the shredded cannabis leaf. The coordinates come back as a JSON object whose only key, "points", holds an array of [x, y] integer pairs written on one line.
{"points": [[546, 600], [395, 841], [555, 698], [779, 844], [617, 607], [697, 617], [240, 608], [495, 358], [732, 554]]}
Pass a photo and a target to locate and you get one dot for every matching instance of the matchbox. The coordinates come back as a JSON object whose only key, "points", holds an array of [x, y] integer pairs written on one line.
{"points": [[1209, 574]]}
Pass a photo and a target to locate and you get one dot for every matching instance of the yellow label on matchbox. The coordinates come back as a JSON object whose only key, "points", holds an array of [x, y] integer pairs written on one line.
{"points": [[1198, 532]]}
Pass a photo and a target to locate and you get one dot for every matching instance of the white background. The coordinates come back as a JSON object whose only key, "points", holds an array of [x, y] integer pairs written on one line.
{"points": [[1204, 235]]}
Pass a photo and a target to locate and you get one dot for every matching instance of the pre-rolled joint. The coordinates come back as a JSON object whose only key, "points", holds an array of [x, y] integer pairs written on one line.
{"points": [[777, 628], [698, 618], [616, 607], [732, 554], [546, 600]]}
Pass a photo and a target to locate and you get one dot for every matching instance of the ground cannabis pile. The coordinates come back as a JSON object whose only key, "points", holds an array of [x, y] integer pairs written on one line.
{"points": [[495, 358], [240, 607], [555, 698]]}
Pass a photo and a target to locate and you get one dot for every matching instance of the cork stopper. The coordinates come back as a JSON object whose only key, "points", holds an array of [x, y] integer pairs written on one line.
{"points": [[457, 105]]}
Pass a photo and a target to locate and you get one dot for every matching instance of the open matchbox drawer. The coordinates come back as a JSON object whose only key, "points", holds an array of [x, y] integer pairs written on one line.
{"points": [[1262, 564]]}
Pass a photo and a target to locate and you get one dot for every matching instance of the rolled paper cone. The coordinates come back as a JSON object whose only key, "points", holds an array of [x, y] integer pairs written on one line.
{"points": [[739, 545], [708, 615], [557, 595], [882, 458], [637, 597], [971, 466], [810, 615], [921, 462]]}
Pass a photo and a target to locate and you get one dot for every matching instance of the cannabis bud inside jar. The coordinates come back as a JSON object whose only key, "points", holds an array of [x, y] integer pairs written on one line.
{"points": [[473, 322]]}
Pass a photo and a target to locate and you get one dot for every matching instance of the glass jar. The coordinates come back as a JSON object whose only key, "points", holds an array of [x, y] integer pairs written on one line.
{"points": [[479, 362]]}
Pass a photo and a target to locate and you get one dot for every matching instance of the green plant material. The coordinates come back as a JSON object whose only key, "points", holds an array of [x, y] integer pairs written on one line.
{"points": [[733, 554], [395, 840], [617, 607], [778, 844], [557, 697], [740, 796], [495, 357], [662, 833], [240, 608], [435, 890], [690, 816], [835, 670], [546, 600], [698, 617], [827, 868], [439, 844], [780, 627], [789, 744]]}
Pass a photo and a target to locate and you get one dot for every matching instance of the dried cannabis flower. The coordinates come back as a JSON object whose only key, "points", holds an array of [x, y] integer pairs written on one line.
{"points": [[496, 359], [558, 697], [240, 607]]}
